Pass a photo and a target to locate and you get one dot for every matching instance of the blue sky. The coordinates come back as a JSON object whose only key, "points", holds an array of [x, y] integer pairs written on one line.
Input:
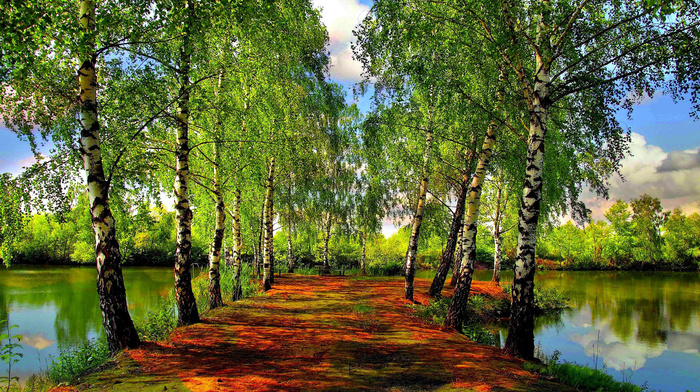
{"points": [[665, 160]]}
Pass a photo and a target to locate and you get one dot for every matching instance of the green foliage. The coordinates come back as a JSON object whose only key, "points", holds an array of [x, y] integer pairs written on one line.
{"points": [[11, 217], [147, 237], [436, 311], [159, 321], [74, 362], [580, 377], [637, 235], [546, 299], [9, 353]]}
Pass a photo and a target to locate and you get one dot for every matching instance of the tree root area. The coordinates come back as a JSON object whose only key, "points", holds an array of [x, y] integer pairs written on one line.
{"points": [[322, 334]]}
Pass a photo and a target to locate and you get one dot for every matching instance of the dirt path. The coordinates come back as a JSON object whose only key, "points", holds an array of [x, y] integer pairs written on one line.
{"points": [[311, 333]]}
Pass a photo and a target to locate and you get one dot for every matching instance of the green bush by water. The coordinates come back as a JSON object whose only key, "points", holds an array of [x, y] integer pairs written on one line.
{"points": [[76, 361], [546, 299], [436, 312], [580, 377], [157, 325]]}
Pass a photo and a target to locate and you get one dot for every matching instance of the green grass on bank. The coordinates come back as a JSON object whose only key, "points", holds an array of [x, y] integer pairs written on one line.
{"points": [[157, 325], [580, 377]]}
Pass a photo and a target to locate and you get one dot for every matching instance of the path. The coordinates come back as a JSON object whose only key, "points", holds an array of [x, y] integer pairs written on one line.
{"points": [[311, 333]]}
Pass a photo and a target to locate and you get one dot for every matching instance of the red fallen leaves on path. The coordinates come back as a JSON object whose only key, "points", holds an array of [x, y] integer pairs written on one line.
{"points": [[322, 333]]}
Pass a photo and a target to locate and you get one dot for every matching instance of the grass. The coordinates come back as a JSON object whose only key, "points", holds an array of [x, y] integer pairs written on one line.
{"points": [[72, 364], [478, 309], [580, 377], [76, 361]]}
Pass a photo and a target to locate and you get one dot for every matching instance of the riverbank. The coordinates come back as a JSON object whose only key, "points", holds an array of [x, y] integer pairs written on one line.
{"points": [[312, 333]]}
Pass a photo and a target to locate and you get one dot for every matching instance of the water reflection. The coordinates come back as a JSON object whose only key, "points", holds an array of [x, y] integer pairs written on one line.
{"points": [[57, 307], [644, 324]]}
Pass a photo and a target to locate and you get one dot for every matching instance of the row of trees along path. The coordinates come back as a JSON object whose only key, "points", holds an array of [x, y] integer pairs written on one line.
{"points": [[321, 334], [227, 106]]}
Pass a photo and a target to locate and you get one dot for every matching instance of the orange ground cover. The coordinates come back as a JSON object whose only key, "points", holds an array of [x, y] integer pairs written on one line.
{"points": [[319, 333]]}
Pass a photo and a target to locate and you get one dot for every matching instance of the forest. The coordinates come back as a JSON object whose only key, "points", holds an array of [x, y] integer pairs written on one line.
{"points": [[204, 132], [633, 236]]}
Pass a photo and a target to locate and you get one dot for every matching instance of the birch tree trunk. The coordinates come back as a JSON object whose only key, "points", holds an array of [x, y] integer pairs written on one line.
{"points": [[497, 238], [363, 258], [215, 299], [290, 251], [521, 337], [186, 303], [497, 258], [326, 240], [259, 246], [417, 221], [237, 291], [119, 328], [456, 313], [458, 256], [267, 233], [455, 230]]}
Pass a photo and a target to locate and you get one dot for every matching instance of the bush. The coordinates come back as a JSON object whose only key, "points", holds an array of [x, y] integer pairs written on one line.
{"points": [[391, 268], [436, 312], [546, 299], [77, 361], [580, 377]]}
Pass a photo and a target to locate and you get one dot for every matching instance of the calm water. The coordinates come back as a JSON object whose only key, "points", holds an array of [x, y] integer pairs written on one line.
{"points": [[56, 307], [641, 326]]}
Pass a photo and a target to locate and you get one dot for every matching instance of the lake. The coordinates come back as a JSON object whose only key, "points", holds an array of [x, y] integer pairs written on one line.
{"points": [[56, 307], [640, 326]]}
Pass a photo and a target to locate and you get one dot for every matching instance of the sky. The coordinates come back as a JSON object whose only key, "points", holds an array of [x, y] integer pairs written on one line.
{"points": [[665, 148]]}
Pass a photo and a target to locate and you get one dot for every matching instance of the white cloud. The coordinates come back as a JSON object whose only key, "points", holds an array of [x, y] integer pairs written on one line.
{"points": [[673, 177], [344, 67], [340, 18], [680, 160]]}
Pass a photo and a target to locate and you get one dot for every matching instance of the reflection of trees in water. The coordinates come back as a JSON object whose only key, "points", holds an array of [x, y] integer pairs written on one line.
{"points": [[643, 305], [71, 291], [552, 320]]}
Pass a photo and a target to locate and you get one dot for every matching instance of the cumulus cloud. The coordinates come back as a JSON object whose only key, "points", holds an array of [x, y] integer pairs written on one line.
{"points": [[673, 177], [340, 18], [344, 67], [680, 160]]}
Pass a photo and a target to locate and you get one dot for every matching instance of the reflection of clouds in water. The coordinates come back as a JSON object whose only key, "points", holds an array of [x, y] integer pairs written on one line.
{"points": [[582, 317], [38, 341], [615, 353], [686, 342]]}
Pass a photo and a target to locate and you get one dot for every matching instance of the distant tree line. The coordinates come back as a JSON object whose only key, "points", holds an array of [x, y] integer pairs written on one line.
{"points": [[639, 235]]}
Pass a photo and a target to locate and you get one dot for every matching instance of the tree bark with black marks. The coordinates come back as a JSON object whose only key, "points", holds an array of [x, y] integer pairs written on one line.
{"points": [[268, 228], [290, 250], [459, 253], [456, 314], [186, 303], [455, 233], [448, 254], [215, 299], [521, 330], [363, 258], [326, 241], [118, 325], [417, 221], [237, 290]]}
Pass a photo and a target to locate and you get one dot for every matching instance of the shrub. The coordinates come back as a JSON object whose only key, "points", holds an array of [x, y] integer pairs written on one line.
{"points": [[77, 361], [436, 311], [546, 299], [580, 377]]}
